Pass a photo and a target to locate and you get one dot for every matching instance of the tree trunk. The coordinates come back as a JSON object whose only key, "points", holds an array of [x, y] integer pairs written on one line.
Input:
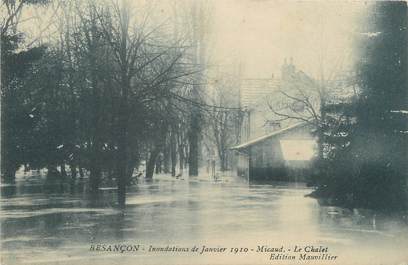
{"points": [[123, 154], [95, 174], [95, 163], [133, 163], [73, 176], [9, 175], [181, 155], [129, 172], [123, 139], [81, 172], [173, 153], [186, 159], [223, 162], [73, 171], [63, 171], [121, 170], [166, 158], [53, 173], [194, 144], [151, 163], [9, 166], [181, 160], [158, 166]]}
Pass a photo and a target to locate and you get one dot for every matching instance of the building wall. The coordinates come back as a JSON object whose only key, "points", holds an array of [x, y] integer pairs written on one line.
{"points": [[266, 160], [257, 95]]}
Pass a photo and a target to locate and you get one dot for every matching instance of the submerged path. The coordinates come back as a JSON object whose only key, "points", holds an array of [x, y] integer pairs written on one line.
{"points": [[166, 218]]}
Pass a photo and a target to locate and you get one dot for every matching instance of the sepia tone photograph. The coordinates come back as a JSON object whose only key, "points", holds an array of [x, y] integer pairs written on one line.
{"points": [[204, 132]]}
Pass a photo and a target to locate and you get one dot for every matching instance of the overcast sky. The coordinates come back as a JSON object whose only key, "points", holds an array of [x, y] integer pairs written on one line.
{"points": [[262, 33]]}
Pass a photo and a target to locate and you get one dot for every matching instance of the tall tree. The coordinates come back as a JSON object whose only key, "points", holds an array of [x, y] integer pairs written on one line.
{"points": [[16, 121], [199, 38], [380, 144]]}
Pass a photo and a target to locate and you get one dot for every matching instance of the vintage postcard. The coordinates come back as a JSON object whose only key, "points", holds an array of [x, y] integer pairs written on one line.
{"points": [[201, 132]]}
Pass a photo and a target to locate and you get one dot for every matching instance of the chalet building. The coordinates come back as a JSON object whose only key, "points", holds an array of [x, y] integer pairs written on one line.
{"points": [[274, 148], [283, 155]]}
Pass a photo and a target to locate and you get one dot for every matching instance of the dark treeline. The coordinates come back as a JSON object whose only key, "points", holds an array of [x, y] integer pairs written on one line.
{"points": [[104, 96], [365, 140]]}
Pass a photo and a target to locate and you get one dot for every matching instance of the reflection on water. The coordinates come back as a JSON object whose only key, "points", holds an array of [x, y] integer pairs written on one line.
{"points": [[49, 226]]}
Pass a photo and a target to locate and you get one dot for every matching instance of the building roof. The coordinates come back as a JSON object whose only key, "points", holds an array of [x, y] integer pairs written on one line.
{"points": [[268, 136], [255, 90]]}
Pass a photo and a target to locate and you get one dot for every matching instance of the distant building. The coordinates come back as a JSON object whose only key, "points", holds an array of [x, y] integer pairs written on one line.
{"points": [[258, 95], [283, 155], [273, 147]]}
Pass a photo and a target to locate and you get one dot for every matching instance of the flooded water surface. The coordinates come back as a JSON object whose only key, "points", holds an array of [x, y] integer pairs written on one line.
{"points": [[228, 221]]}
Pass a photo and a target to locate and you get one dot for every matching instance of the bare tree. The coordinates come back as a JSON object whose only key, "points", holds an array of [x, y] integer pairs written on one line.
{"points": [[144, 72], [224, 117], [303, 99]]}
